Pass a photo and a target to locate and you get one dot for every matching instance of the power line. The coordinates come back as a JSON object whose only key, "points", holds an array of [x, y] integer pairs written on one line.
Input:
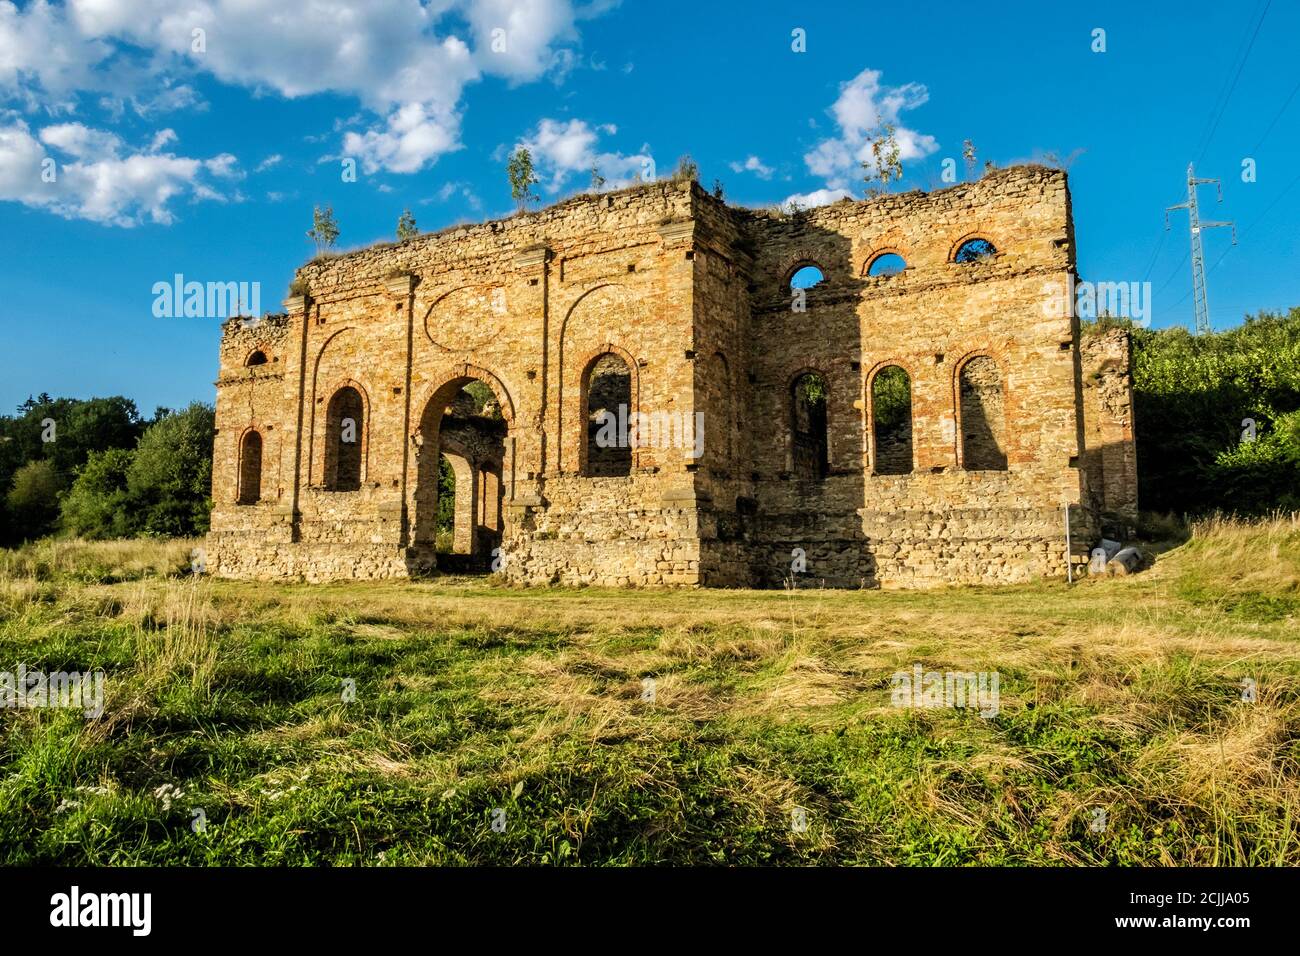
{"points": [[1267, 209], [1295, 89], [1218, 99], [1222, 101], [1177, 269], [1155, 255], [1236, 76]]}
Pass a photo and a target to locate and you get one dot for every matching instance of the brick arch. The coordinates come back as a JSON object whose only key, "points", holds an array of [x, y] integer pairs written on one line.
{"points": [[787, 408], [793, 264], [457, 375], [980, 233], [320, 427], [574, 406], [253, 427], [883, 250], [317, 400], [424, 444], [575, 358], [869, 407], [968, 357], [959, 425]]}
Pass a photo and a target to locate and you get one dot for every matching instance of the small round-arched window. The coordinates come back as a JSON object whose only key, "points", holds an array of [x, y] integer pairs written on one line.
{"points": [[257, 358], [887, 264], [974, 250], [805, 277]]}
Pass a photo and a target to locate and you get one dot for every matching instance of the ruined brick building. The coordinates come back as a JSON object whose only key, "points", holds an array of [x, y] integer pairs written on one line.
{"points": [[896, 427]]}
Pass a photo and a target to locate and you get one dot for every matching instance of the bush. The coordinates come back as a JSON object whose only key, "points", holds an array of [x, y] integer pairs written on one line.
{"points": [[1191, 394], [33, 499], [169, 479], [99, 504], [64, 432], [1263, 475]]}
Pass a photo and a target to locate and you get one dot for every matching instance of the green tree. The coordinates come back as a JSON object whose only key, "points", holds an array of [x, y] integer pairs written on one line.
{"points": [[406, 226], [324, 229], [522, 180], [687, 169], [886, 165], [1262, 475], [63, 431], [99, 504], [32, 502], [170, 477], [1192, 394], [446, 520]]}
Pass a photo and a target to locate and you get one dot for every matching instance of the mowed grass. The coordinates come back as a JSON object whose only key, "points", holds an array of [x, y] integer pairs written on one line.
{"points": [[476, 703]]}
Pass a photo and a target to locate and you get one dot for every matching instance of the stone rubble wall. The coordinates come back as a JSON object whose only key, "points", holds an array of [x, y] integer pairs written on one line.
{"points": [[692, 295], [1110, 460]]}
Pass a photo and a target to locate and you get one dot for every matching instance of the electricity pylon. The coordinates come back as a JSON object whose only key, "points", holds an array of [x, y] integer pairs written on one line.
{"points": [[1198, 257]]}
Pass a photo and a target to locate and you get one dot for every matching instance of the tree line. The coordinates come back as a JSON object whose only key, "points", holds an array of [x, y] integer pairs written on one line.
{"points": [[95, 468]]}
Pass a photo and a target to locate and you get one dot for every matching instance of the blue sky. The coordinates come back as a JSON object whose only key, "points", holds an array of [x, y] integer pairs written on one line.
{"points": [[208, 162]]}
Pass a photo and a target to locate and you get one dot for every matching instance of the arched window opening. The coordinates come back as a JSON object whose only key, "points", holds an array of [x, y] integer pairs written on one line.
{"points": [[983, 416], [609, 410], [891, 414], [250, 469], [344, 434], [974, 250], [887, 264], [808, 427], [805, 277], [257, 358], [460, 452]]}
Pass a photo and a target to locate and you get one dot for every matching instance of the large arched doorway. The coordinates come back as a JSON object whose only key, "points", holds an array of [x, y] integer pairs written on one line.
{"points": [[462, 450]]}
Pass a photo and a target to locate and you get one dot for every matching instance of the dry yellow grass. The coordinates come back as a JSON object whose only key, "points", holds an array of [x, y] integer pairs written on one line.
{"points": [[1117, 694]]}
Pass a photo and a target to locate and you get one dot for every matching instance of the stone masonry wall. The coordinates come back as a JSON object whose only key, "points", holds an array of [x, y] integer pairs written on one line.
{"points": [[1110, 460], [693, 298], [944, 522]]}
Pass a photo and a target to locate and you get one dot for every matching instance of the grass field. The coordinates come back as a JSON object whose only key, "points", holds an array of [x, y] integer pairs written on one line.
{"points": [[476, 704]]}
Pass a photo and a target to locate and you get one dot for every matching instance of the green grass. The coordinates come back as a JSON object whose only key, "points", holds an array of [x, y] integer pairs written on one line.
{"points": [[1121, 695]]}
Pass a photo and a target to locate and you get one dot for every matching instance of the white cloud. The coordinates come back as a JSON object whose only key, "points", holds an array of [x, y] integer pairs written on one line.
{"points": [[753, 165], [862, 107], [44, 58], [513, 38], [271, 161], [414, 137], [402, 59], [450, 190], [102, 182], [81, 142], [225, 165], [561, 149], [818, 197], [161, 139]]}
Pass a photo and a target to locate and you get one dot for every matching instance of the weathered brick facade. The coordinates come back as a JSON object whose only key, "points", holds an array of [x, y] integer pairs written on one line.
{"points": [[666, 297]]}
